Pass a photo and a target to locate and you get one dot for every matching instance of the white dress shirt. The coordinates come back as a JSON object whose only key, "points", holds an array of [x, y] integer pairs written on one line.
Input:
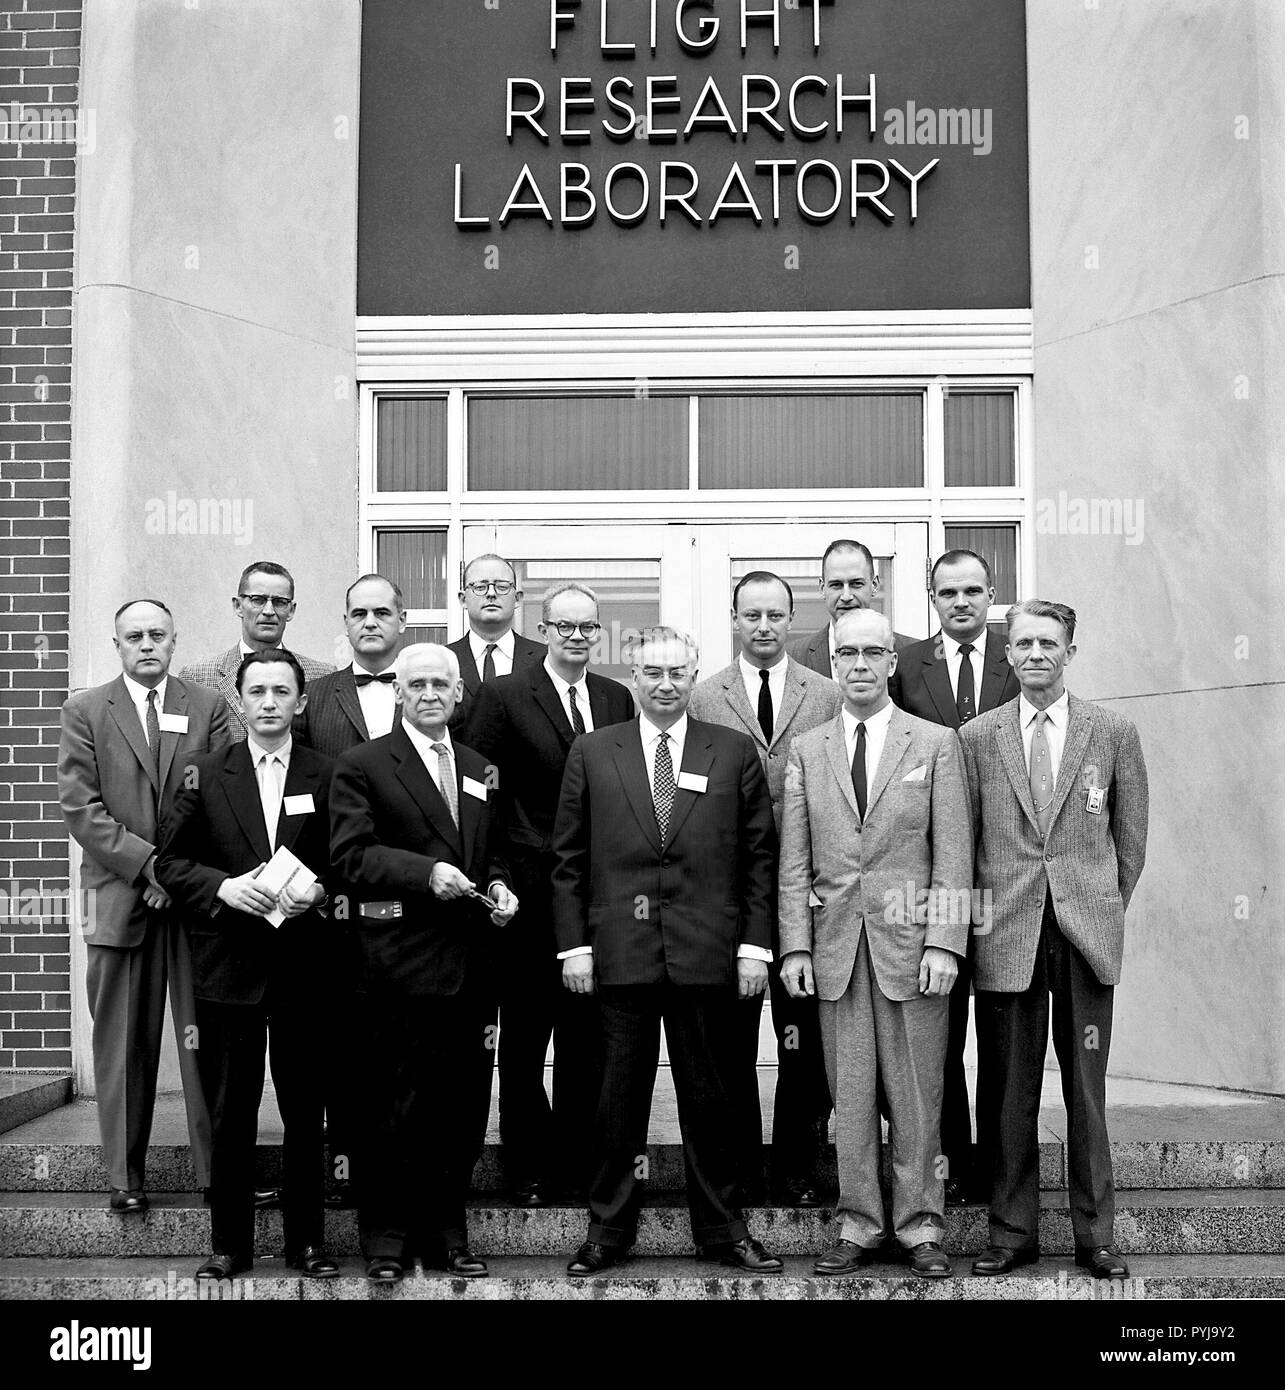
{"points": [[775, 683], [501, 657], [876, 736], [378, 703], [423, 745], [139, 693], [1059, 713], [582, 696], [950, 649], [270, 772]]}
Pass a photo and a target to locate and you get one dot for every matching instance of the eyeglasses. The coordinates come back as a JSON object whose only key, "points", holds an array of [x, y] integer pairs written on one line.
{"points": [[257, 601], [588, 630], [501, 586], [870, 654]]}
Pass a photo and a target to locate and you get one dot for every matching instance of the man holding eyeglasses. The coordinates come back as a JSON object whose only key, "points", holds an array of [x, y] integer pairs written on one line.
{"points": [[874, 896], [490, 648], [524, 724], [265, 604], [848, 584]]}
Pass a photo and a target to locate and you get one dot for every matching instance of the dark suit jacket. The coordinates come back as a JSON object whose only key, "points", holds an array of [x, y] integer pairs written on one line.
{"points": [[519, 724], [216, 831], [390, 825], [921, 683], [525, 653], [108, 795], [678, 911], [332, 721], [814, 651]]}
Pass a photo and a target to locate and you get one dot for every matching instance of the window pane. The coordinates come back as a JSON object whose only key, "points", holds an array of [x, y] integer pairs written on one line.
{"points": [[979, 439], [543, 443], [424, 634], [804, 579], [811, 441], [415, 560], [411, 452], [999, 545]]}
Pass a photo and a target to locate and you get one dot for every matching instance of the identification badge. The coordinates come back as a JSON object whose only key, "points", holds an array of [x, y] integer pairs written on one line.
{"points": [[1095, 799], [172, 723], [692, 782], [297, 805], [475, 788]]}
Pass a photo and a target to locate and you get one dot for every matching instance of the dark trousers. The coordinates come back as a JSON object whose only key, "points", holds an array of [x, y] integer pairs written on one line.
{"points": [[956, 1117], [417, 1126], [1012, 1036], [705, 1052], [233, 1039], [342, 1080]]}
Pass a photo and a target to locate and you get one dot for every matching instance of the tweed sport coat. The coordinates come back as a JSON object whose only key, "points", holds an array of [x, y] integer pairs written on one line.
{"points": [[1090, 861], [219, 673]]}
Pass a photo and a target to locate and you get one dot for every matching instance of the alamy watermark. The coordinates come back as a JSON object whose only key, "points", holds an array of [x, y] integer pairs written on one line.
{"points": [[21, 124]]}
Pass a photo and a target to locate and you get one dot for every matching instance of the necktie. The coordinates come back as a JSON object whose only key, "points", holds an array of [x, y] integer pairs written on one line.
{"points": [[859, 770], [364, 678], [446, 775], [270, 785], [965, 696], [663, 791], [1041, 773], [577, 719], [488, 662], [154, 735], [765, 706]]}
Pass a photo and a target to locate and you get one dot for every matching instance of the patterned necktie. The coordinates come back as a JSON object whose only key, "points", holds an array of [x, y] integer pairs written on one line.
{"points": [[1041, 773], [765, 706], [446, 776], [663, 791], [965, 697], [859, 770], [577, 719], [154, 735], [271, 783], [488, 663]]}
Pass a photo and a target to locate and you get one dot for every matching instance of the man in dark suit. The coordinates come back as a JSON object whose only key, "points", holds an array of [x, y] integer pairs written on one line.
{"points": [[123, 754], [264, 604], [1058, 788], [490, 647], [848, 583], [948, 679], [343, 710], [662, 897], [769, 696], [524, 724], [415, 836], [258, 977]]}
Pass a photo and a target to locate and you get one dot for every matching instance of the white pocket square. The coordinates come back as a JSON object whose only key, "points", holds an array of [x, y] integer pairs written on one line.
{"points": [[918, 774]]}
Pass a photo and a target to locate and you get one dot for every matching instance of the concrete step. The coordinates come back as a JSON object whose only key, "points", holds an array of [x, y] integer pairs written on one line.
{"points": [[26, 1095], [1205, 1277], [70, 1225]]}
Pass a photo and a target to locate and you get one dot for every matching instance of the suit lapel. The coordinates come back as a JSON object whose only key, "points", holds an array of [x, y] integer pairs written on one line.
{"points": [[837, 751], [895, 743], [347, 700], [289, 828], [228, 664], [819, 653], [1079, 726], [241, 787], [791, 699], [937, 684], [698, 757], [995, 671], [413, 775], [631, 767], [734, 692], [126, 717], [598, 703], [469, 673], [470, 817], [1009, 736], [175, 703], [546, 696]]}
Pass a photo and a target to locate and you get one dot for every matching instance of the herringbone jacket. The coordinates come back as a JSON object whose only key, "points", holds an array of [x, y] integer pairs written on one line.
{"points": [[219, 673]]}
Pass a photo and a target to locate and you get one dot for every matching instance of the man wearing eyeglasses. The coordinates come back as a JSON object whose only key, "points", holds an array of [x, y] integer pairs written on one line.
{"points": [[490, 648], [848, 584], [874, 897], [525, 724], [265, 604]]}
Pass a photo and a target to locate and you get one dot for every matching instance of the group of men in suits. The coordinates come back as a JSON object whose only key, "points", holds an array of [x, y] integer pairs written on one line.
{"points": [[810, 826]]}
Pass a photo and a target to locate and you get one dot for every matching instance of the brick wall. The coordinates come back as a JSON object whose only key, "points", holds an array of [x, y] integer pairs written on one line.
{"points": [[39, 68]]}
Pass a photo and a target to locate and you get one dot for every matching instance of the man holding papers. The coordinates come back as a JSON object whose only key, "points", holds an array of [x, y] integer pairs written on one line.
{"points": [[241, 856]]}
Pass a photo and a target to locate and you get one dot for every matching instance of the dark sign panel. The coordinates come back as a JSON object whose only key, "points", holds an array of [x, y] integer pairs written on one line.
{"points": [[598, 156]]}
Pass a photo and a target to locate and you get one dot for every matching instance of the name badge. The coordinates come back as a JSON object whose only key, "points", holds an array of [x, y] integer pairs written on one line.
{"points": [[172, 723], [692, 782], [475, 788], [298, 805], [1095, 801]]}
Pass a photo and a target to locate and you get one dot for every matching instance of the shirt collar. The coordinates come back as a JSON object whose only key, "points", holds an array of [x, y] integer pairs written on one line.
{"points": [[422, 742], [258, 752], [479, 644], [139, 692], [751, 672], [651, 734], [383, 670], [1058, 712], [952, 646], [561, 685], [875, 724]]}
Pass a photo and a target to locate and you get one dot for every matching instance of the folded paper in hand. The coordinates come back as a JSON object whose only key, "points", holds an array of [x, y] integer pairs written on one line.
{"points": [[284, 867]]}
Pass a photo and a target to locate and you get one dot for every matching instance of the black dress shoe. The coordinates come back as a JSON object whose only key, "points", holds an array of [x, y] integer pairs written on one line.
{"points": [[341, 1195], [928, 1260], [463, 1263], [313, 1261], [223, 1267], [383, 1269], [844, 1257], [1102, 1261], [267, 1197], [799, 1192], [746, 1254], [1002, 1259], [129, 1203], [955, 1193], [531, 1194], [593, 1259]]}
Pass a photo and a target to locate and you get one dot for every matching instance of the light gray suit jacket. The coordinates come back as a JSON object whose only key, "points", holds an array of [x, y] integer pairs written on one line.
{"points": [[839, 876], [809, 699], [219, 673], [1090, 861]]}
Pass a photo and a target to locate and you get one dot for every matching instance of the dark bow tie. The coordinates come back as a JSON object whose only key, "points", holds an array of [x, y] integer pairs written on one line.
{"points": [[365, 678]]}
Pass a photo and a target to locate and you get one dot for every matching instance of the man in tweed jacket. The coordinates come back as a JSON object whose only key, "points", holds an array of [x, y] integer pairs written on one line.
{"points": [[1058, 791], [265, 603]]}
